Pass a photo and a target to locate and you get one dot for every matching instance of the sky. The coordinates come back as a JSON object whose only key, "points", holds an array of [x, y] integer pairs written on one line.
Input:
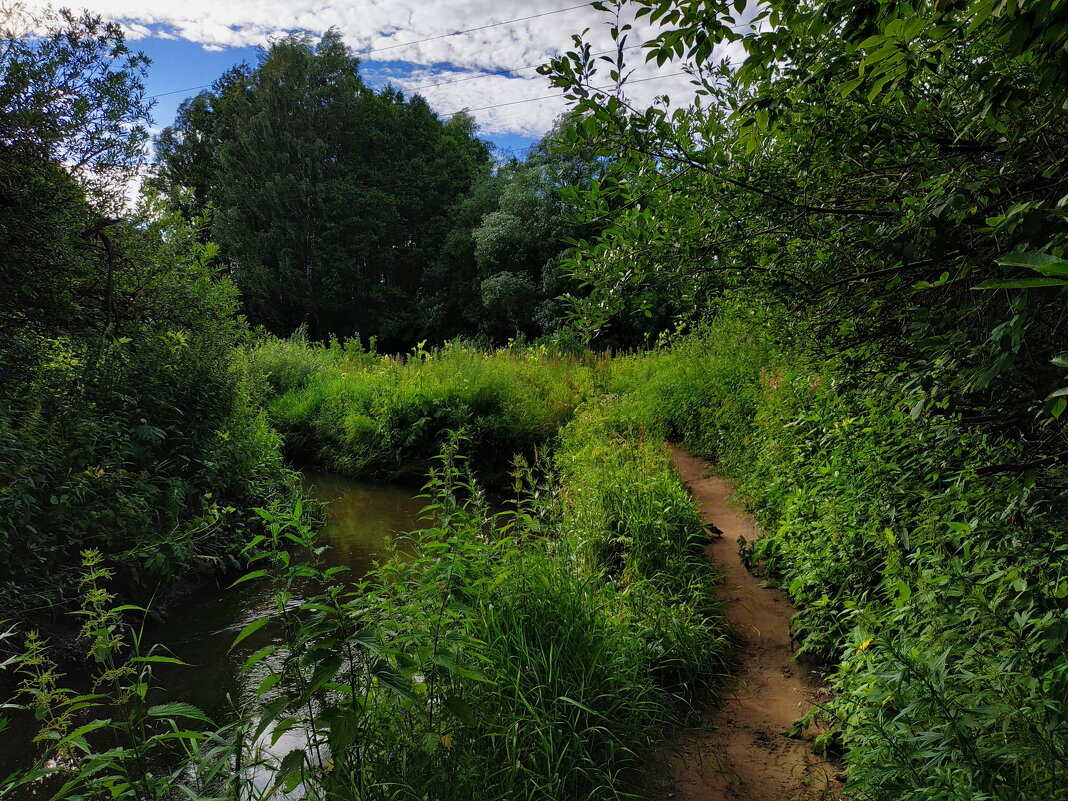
{"points": [[414, 44]]}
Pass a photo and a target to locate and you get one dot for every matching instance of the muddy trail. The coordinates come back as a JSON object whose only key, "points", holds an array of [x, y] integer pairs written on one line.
{"points": [[741, 752]]}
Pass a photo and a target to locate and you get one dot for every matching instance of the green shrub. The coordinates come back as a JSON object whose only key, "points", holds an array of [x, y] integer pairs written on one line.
{"points": [[384, 417], [152, 452], [928, 570]]}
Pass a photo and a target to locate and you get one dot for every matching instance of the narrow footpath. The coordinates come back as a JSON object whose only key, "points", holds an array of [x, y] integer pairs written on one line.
{"points": [[742, 753]]}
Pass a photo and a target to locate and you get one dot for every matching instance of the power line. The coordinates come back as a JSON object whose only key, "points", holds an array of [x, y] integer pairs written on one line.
{"points": [[468, 77], [502, 72], [417, 41], [550, 97], [472, 30]]}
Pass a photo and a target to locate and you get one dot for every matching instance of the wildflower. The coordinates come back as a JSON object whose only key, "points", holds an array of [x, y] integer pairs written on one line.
{"points": [[816, 382], [864, 646], [773, 384]]}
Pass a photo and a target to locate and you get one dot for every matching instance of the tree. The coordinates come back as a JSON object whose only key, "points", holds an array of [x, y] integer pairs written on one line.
{"points": [[121, 410], [72, 131], [330, 200], [894, 172], [499, 274]]}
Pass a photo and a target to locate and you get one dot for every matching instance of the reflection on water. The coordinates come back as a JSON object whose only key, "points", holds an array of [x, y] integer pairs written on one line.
{"points": [[361, 518], [200, 629]]}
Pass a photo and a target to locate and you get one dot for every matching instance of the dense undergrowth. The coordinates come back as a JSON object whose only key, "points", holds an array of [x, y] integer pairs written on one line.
{"points": [[532, 653], [568, 630], [139, 436], [362, 414], [927, 562]]}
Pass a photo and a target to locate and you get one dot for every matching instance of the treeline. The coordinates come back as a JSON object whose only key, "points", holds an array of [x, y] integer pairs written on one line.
{"points": [[126, 424], [345, 210]]}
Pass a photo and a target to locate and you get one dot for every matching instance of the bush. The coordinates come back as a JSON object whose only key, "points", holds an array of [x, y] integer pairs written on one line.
{"points": [[928, 568], [374, 416]]}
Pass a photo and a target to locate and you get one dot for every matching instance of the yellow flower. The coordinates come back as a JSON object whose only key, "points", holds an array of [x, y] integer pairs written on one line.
{"points": [[864, 646]]}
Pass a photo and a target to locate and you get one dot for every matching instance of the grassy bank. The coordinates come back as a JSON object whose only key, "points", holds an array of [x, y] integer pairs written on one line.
{"points": [[534, 653], [365, 415], [525, 667]]}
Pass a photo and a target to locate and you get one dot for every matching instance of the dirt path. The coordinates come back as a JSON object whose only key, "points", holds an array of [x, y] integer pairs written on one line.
{"points": [[741, 754]]}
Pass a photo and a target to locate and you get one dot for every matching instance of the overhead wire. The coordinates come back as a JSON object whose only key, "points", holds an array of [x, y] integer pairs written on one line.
{"points": [[415, 42], [557, 96], [473, 30], [504, 71]]}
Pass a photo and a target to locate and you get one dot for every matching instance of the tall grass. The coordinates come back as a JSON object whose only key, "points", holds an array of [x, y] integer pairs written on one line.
{"points": [[496, 660], [365, 415]]}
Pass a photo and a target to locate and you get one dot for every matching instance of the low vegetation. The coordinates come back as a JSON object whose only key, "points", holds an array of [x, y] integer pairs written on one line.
{"points": [[364, 414], [928, 565], [564, 633], [839, 274]]}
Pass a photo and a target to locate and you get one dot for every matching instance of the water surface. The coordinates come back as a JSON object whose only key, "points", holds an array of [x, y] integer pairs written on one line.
{"points": [[200, 629]]}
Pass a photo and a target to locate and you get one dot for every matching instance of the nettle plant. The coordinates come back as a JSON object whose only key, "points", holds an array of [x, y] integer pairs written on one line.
{"points": [[140, 750]]}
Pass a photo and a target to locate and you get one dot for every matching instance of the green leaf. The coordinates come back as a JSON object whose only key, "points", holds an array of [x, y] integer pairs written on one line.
{"points": [[158, 660], [178, 709], [284, 725], [388, 677], [1022, 283], [460, 709], [81, 731], [267, 683], [1057, 269], [324, 672], [248, 631], [270, 712], [850, 86], [1041, 262], [575, 703], [255, 574], [293, 762], [258, 657]]}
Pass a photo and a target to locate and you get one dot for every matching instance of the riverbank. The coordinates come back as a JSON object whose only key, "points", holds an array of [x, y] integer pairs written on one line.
{"points": [[198, 618], [574, 629], [578, 624]]}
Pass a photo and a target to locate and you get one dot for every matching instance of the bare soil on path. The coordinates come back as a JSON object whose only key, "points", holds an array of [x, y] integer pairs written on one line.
{"points": [[742, 753]]}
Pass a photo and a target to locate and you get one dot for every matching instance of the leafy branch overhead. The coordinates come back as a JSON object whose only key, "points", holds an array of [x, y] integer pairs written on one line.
{"points": [[861, 167]]}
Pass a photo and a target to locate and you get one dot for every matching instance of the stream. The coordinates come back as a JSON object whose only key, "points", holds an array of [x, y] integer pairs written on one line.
{"points": [[200, 629]]}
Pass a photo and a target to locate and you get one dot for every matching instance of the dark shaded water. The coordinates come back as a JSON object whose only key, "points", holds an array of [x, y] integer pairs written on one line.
{"points": [[201, 628]]}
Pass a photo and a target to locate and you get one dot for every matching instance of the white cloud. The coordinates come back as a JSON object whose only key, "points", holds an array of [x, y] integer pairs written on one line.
{"points": [[382, 25]]}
